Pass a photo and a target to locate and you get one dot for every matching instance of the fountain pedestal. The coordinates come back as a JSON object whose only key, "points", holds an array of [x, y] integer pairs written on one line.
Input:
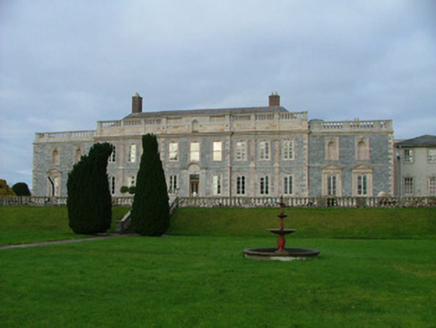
{"points": [[281, 253]]}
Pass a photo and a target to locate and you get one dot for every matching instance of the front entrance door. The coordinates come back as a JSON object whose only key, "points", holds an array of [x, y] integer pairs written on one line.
{"points": [[194, 181]]}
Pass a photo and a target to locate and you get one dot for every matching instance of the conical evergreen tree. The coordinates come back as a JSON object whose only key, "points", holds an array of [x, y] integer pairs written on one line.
{"points": [[150, 209], [89, 200]]}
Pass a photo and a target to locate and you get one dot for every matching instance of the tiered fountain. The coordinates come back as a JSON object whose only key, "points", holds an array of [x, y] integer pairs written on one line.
{"points": [[281, 253]]}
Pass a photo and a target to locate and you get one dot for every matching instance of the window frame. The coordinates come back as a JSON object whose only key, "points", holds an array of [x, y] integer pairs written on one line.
{"points": [[217, 186], [173, 154], [217, 152], [288, 184], [193, 152], [173, 185], [241, 185], [264, 186], [288, 152], [264, 150], [241, 151]]}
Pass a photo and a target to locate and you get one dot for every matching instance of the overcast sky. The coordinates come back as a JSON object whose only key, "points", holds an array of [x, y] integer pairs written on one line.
{"points": [[64, 65]]}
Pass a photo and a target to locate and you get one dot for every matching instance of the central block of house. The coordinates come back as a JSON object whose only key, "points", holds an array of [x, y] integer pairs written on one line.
{"points": [[231, 152]]}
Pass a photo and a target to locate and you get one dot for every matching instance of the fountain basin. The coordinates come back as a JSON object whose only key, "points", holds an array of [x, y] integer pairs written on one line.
{"points": [[288, 254], [281, 232]]}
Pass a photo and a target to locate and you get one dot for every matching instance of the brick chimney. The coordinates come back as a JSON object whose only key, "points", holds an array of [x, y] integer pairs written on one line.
{"points": [[274, 100], [136, 103]]}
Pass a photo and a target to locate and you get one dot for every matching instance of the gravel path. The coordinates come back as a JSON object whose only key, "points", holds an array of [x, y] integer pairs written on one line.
{"points": [[67, 241]]}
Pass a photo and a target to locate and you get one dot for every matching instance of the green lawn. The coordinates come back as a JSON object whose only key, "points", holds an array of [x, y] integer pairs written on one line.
{"points": [[205, 282], [377, 268], [310, 223], [24, 224]]}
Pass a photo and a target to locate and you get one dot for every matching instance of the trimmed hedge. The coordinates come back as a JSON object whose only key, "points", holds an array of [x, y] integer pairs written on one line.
{"points": [[150, 209], [89, 200]]}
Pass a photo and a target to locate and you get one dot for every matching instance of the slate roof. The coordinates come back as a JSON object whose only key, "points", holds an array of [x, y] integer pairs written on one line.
{"points": [[205, 112], [422, 141]]}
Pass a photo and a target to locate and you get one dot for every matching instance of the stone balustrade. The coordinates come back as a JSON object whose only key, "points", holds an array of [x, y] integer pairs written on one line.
{"points": [[351, 126], [64, 136], [246, 202]]}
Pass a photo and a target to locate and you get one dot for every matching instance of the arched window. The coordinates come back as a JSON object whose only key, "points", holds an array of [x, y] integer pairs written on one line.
{"points": [[362, 149]]}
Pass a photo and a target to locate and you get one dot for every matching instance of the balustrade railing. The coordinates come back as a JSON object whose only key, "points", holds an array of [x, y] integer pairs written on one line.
{"points": [[247, 202]]}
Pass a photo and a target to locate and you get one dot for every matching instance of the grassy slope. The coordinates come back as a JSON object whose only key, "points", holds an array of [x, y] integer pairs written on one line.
{"points": [[330, 223], [205, 282], [22, 224]]}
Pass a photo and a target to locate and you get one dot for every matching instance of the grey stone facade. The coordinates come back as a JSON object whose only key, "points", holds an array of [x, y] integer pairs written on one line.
{"points": [[244, 152]]}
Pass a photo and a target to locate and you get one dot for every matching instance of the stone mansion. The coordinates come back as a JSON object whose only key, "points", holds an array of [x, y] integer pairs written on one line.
{"points": [[231, 152]]}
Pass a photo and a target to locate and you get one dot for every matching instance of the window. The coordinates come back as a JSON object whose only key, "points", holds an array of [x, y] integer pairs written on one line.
{"points": [[112, 185], [288, 185], [332, 181], [173, 152], [113, 156], [332, 185], [408, 156], [195, 151], [216, 185], [241, 151], [264, 151], [332, 149], [131, 181], [131, 157], [55, 157], [172, 184], [362, 181], [288, 149], [240, 185], [362, 149], [408, 186], [432, 186], [362, 185], [432, 155], [264, 185], [217, 150]]}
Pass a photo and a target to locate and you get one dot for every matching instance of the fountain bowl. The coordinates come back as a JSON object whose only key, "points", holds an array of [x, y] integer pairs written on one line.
{"points": [[272, 254]]}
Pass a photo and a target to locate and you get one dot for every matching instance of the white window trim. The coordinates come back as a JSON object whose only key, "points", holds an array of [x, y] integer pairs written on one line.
{"points": [[329, 171], [291, 178], [292, 150], [171, 152], [217, 152], [264, 155], [191, 152], [219, 190], [359, 171], [242, 151]]}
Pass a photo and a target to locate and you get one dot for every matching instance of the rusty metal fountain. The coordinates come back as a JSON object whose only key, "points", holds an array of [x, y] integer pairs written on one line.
{"points": [[281, 253]]}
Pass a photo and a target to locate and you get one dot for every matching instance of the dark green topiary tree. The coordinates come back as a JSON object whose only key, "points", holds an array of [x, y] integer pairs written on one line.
{"points": [[150, 209], [89, 200], [21, 189]]}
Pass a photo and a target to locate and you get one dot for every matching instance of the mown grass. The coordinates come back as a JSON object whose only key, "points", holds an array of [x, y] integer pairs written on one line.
{"points": [[309, 223], [23, 224], [205, 282]]}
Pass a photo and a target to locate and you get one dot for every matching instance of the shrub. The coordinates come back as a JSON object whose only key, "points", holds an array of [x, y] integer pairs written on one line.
{"points": [[89, 200], [132, 190], [5, 190], [124, 189], [150, 209], [21, 189]]}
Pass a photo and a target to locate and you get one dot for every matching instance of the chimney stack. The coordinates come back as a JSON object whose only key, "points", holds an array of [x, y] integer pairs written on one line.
{"points": [[136, 103], [274, 100]]}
